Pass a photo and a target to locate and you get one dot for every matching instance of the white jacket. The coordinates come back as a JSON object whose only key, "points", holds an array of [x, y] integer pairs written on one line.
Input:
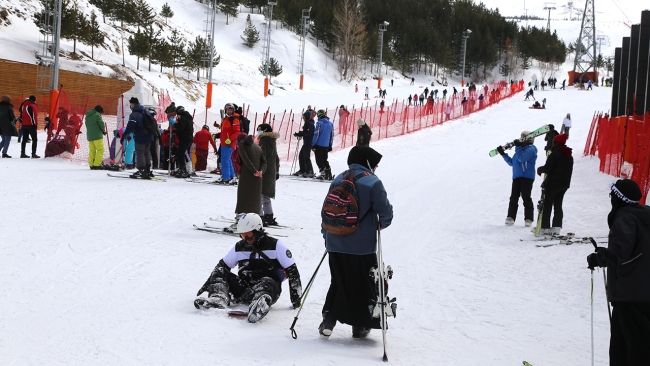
{"points": [[566, 122]]}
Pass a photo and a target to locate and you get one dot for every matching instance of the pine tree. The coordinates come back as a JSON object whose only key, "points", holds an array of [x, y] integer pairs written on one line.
{"points": [[95, 36], [196, 53], [145, 14], [230, 8], [275, 68], [153, 37], [139, 46], [251, 35], [106, 7], [504, 70], [166, 12], [162, 54], [177, 44], [525, 62], [74, 25]]}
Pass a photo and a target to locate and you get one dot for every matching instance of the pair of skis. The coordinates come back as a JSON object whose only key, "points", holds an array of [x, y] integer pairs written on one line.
{"points": [[223, 230], [154, 179], [538, 132]]}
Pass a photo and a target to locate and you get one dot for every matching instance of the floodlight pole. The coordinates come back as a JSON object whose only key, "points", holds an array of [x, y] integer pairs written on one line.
{"points": [[268, 48], [305, 17], [465, 37], [382, 28]]}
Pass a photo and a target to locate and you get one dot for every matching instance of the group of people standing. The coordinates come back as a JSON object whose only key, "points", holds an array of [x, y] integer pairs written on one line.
{"points": [[28, 118]]}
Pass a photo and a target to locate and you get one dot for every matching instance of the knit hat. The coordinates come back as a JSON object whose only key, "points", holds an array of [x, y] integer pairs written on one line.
{"points": [[364, 155], [265, 127], [561, 138], [32, 98], [6, 99], [171, 108], [134, 100], [626, 190], [361, 122], [99, 108]]}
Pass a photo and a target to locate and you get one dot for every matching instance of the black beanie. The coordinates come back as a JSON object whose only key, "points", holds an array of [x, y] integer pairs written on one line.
{"points": [[364, 155], [265, 127], [627, 191], [99, 108]]}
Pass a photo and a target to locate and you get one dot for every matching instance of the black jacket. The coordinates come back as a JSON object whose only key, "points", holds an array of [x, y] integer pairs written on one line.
{"points": [[558, 168], [363, 136], [550, 135], [7, 119], [185, 127], [628, 255]]}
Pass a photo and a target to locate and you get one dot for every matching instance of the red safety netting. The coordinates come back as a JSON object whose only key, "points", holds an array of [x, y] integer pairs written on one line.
{"points": [[621, 144], [394, 119]]}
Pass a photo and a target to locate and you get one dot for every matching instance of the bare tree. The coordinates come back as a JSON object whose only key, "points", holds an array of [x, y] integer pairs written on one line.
{"points": [[349, 33]]}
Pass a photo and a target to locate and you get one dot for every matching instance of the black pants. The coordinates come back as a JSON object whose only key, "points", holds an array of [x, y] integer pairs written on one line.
{"points": [[167, 159], [521, 187], [321, 158], [352, 290], [153, 148], [181, 151], [629, 344], [238, 287], [29, 131], [553, 201], [304, 159], [143, 154]]}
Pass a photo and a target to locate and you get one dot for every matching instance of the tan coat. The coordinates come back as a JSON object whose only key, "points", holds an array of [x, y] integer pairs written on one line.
{"points": [[249, 189]]}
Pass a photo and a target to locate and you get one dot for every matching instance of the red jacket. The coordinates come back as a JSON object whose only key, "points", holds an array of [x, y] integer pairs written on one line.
{"points": [[29, 113], [165, 139], [229, 130], [202, 138]]}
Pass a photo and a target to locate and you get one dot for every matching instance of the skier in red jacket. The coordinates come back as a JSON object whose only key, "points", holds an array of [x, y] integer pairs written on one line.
{"points": [[201, 139]]}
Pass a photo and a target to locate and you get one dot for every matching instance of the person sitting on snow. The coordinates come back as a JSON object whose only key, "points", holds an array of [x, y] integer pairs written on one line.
{"points": [[264, 262], [536, 105]]}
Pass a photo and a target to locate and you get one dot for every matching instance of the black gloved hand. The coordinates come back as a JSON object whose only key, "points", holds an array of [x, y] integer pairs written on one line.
{"points": [[277, 176], [329, 149], [539, 171], [500, 150], [592, 261], [517, 142]]}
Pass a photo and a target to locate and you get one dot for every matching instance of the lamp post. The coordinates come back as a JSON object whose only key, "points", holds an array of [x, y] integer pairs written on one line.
{"points": [[382, 28], [268, 47], [303, 35], [465, 36]]}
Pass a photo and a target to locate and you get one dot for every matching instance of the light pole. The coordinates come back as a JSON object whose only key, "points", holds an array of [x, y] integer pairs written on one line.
{"points": [[382, 28], [465, 36], [303, 35], [268, 48]]}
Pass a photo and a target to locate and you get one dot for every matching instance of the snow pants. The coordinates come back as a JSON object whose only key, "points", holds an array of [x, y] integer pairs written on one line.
{"points": [[304, 159], [244, 291], [182, 154], [553, 201], [95, 152], [321, 158], [630, 334], [227, 170], [29, 131], [143, 155], [266, 205], [201, 159], [521, 187]]}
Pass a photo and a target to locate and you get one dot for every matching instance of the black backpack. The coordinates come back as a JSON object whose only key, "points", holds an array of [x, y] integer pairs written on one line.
{"points": [[149, 125]]}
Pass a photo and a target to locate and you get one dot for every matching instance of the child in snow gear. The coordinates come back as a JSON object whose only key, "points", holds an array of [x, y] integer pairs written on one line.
{"points": [[304, 157], [267, 141], [142, 139], [363, 133], [628, 269], [558, 170], [352, 295], [264, 263], [523, 176], [322, 144], [29, 123]]}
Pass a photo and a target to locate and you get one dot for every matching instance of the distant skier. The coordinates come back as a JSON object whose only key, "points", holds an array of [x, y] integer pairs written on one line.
{"points": [[523, 176], [95, 131], [263, 261], [566, 124], [202, 140], [304, 157], [363, 133], [412, 81], [558, 170], [532, 93], [322, 144], [391, 82], [589, 85], [410, 98], [7, 124], [367, 93]]}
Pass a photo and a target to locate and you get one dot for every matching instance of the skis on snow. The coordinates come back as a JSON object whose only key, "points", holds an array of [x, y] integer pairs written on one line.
{"points": [[538, 132], [154, 179]]}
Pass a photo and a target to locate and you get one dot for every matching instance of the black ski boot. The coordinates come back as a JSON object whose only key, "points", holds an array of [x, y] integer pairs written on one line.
{"points": [[24, 156], [327, 325], [147, 173], [259, 307], [136, 175], [269, 220], [219, 297], [34, 156], [6, 156], [360, 332]]}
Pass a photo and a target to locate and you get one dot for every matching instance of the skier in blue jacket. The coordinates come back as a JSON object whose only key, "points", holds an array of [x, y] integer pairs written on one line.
{"points": [[322, 144], [523, 176]]}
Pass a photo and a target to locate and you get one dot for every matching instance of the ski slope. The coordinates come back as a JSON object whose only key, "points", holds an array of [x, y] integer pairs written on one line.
{"points": [[103, 271]]}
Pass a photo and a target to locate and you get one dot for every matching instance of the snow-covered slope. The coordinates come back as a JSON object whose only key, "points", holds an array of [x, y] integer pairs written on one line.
{"points": [[103, 271]]}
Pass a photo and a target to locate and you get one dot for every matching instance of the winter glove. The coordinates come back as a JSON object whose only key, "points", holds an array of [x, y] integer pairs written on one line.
{"points": [[329, 149], [539, 171], [277, 176], [171, 120], [592, 261], [228, 141], [517, 142], [500, 150]]}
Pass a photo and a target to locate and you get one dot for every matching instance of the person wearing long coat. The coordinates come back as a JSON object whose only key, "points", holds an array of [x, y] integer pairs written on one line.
{"points": [[253, 166], [268, 144], [7, 124]]}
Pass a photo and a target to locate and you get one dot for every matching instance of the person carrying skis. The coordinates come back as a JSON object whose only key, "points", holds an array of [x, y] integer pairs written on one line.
{"points": [[566, 124], [628, 269], [363, 133], [352, 256], [267, 140], [322, 144], [523, 176], [202, 140], [558, 170], [229, 131], [304, 157], [264, 263]]}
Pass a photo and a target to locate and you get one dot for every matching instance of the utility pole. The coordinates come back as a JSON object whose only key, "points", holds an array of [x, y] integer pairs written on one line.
{"points": [[586, 56], [549, 7], [301, 51], [268, 48], [382, 28], [210, 53], [465, 37]]}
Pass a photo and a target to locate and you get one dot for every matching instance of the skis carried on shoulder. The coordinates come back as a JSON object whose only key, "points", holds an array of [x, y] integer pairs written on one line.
{"points": [[538, 132], [154, 179]]}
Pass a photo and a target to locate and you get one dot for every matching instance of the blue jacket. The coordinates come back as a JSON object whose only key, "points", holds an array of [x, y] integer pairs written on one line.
{"points": [[136, 126], [373, 201], [324, 133], [523, 162]]}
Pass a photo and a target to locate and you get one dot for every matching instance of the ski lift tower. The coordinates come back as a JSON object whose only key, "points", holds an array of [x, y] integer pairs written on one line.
{"points": [[47, 75], [301, 50], [267, 47], [208, 59], [382, 28], [549, 7], [585, 59]]}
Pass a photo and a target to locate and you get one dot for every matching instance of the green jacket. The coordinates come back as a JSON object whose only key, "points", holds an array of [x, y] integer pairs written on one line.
{"points": [[94, 125]]}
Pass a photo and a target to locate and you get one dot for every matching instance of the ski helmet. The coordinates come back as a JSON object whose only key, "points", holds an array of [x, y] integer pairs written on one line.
{"points": [[307, 114], [228, 106], [321, 113], [249, 222]]}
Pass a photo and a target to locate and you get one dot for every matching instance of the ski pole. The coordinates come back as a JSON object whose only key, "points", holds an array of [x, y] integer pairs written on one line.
{"points": [[382, 287], [592, 317], [303, 298], [609, 309], [295, 156]]}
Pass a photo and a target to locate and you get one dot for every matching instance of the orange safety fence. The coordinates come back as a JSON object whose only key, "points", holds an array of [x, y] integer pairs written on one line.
{"points": [[621, 144]]}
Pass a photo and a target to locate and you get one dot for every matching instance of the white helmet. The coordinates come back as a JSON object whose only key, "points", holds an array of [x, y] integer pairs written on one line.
{"points": [[249, 222]]}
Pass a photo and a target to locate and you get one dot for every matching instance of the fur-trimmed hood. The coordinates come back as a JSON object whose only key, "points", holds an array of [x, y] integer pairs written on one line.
{"points": [[273, 135]]}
